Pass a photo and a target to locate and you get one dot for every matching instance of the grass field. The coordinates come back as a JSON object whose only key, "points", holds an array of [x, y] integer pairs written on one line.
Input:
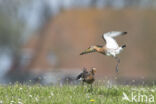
{"points": [[75, 94]]}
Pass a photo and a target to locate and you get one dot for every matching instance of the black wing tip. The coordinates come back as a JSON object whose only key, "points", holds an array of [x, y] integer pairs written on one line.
{"points": [[124, 33], [123, 46]]}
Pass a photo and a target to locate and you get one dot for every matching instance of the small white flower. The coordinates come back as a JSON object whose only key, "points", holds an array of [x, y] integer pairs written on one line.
{"points": [[11, 101], [36, 99], [1, 102], [152, 90], [30, 95], [20, 88], [52, 94], [20, 102]]}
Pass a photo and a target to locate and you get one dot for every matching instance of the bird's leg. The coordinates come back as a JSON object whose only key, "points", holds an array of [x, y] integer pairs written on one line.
{"points": [[118, 61], [91, 88]]}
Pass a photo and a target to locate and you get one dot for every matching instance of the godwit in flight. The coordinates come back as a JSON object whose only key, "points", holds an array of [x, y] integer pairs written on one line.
{"points": [[111, 48]]}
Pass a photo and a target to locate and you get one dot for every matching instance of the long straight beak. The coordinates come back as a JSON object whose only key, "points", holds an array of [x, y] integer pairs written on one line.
{"points": [[88, 51]]}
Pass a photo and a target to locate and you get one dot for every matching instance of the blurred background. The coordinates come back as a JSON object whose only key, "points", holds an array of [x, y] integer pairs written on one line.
{"points": [[40, 40]]}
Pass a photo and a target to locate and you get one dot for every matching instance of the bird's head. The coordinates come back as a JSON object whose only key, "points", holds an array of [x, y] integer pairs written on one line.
{"points": [[93, 70]]}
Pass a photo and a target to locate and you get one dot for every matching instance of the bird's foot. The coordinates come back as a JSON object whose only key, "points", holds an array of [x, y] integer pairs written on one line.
{"points": [[117, 69]]}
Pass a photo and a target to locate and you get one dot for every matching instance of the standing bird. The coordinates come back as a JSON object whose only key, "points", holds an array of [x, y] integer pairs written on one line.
{"points": [[111, 48], [87, 76]]}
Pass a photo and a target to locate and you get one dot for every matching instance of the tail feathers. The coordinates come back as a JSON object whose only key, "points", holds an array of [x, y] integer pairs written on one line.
{"points": [[123, 46], [79, 76]]}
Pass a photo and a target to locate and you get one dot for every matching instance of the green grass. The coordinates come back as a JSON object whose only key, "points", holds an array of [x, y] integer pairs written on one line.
{"points": [[68, 94]]}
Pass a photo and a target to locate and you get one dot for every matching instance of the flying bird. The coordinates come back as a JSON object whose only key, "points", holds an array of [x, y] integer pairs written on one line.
{"points": [[111, 48], [87, 76]]}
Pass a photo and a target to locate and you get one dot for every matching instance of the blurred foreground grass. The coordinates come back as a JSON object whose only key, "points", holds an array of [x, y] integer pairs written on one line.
{"points": [[71, 94]]}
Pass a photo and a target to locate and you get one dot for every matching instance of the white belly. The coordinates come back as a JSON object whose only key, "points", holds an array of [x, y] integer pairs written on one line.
{"points": [[113, 52]]}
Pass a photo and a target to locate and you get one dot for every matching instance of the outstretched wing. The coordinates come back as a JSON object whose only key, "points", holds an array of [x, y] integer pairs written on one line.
{"points": [[114, 34], [109, 38]]}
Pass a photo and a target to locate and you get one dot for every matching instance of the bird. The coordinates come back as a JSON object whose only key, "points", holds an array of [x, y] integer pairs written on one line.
{"points": [[111, 48], [87, 76]]}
